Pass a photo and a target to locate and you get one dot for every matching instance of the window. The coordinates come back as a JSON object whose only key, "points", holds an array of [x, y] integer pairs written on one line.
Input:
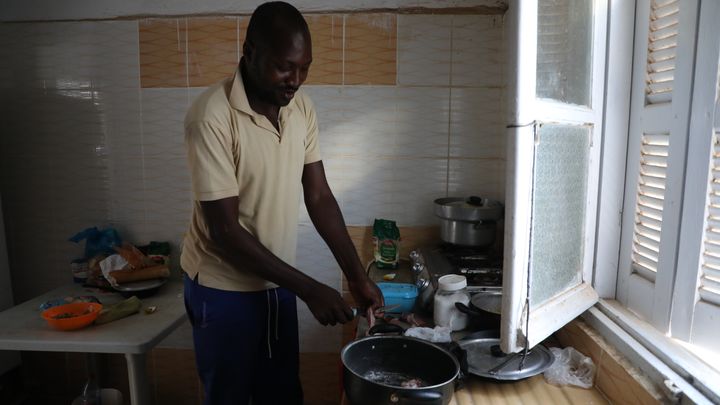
{"points": [[634, 213], [553, 155]]}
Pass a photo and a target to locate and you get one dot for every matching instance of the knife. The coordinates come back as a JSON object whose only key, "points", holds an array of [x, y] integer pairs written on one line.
{"points": [[385, 308]]}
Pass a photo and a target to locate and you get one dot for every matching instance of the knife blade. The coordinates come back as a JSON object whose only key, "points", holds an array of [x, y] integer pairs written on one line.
{"points": [[385, 308]]}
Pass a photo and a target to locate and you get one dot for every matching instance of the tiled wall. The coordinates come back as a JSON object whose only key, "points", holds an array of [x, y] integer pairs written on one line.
{"points": [[410, 109]]}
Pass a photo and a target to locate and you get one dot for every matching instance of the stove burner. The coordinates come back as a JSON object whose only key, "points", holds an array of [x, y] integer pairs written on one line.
{"points": [[481, 266]]}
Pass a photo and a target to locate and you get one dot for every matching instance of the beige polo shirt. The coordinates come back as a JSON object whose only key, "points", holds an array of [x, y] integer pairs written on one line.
{"points": [[234, 151]]}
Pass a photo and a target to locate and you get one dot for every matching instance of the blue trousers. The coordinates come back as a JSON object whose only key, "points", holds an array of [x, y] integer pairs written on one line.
{"points": [[246, 345]]}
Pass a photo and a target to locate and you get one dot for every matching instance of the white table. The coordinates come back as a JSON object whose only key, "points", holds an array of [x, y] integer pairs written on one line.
{"points": [[24, 329]]}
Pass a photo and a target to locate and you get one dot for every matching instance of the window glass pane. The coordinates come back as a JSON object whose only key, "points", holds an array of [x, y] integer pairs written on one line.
{"points": [[564, 52], [559, 208]]}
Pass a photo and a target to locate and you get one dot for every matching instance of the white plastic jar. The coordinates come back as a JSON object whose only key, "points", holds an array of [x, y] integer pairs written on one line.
{"points": [[452, 288]]}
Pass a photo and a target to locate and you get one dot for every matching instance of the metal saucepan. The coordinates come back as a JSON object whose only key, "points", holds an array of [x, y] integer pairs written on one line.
{"points": [[483, 311], [468, 221], [383, 370]]}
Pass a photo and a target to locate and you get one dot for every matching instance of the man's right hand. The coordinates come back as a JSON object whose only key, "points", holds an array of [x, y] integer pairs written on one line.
{"points": [[327, 305]]}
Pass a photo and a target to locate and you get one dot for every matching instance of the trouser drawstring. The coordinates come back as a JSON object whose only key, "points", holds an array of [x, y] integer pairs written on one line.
{"points": [[277, 314], [269, 316]]}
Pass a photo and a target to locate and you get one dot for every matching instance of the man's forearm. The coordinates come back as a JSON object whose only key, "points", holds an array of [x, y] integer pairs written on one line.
{"points": [[243, 250]]}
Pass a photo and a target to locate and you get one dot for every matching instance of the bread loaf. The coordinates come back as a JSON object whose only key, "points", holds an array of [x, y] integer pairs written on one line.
{"points": [[147, 273]]}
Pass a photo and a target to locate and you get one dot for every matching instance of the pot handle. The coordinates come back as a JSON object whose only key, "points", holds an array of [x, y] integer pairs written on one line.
{"points": [[467, 310], [475, 200], [386, 328], [410, 397]]}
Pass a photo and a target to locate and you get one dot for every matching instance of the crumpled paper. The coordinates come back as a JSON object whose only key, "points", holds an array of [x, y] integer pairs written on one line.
{"points": [[112, 263]]}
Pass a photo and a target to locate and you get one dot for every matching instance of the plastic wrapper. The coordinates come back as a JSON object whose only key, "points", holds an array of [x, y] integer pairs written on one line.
{"points": [[570, 368], [98, 242], [438, 334]]}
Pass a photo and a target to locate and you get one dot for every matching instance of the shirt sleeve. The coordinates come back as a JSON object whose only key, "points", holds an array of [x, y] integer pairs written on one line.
{"points": [[312, 147], [211, 162]]}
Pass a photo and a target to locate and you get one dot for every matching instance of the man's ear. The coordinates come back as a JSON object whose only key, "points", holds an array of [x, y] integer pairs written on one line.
{"points": [[248, 50]]}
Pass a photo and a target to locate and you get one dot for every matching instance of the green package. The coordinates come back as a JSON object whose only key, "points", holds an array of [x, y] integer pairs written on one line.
{"points": [[386, 244]]}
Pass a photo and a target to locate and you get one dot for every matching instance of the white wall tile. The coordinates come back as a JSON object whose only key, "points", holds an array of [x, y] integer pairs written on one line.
{"points": [[360, 123], [478, 57], [423, 50], [480, 177], [335, 178], [77, 54], [477, 128], [367, 189], [331, 114], [416, 184], [165, 171], [422, 122], [316, 260], [125, 155]]}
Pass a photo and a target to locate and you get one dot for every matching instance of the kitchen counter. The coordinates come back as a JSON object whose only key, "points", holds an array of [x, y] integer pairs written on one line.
{"points": [[534, 390], [477, 391]]}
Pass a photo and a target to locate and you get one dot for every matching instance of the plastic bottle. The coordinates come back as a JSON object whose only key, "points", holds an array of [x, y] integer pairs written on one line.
{"points": [[452, 288], [91, 394]]}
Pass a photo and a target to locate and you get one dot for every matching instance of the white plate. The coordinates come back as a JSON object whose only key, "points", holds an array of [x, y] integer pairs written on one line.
{"points": [[141, 285]]}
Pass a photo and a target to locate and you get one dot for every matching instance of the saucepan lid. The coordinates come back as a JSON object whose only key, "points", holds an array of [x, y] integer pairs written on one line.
{"points": [[488, 301], [485, 359]]}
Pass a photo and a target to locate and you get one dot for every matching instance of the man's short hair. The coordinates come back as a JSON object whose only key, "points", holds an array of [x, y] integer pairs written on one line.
{"points": [[272, 19]]}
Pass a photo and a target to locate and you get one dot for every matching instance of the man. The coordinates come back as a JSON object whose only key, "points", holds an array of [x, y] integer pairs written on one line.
{"points": [[252, 148]]}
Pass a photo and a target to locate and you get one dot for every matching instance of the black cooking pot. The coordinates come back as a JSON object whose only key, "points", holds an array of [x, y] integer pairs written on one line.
{"points": [[375, 368], [480, 316]]}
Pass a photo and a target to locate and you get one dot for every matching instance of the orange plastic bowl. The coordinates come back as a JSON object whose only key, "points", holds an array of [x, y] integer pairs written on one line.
{"points": [[72, 316]]}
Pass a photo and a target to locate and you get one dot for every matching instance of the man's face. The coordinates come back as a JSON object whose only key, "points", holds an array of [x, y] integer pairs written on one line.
{"points": [[280, 67]]}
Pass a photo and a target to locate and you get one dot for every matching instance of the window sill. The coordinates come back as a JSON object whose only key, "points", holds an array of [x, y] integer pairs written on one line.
{"points": [[670, 366]]}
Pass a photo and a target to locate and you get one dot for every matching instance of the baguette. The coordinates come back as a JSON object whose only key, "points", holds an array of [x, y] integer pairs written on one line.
{"points": [[147, 273]]}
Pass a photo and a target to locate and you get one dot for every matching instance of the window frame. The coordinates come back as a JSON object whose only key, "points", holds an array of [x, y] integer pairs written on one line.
{"points": [[525, 109], [666, 361]]}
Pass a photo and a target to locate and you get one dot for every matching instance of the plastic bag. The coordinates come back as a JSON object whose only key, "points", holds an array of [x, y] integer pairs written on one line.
{"points": [[98, 242], [570, 368], [439, 334]]}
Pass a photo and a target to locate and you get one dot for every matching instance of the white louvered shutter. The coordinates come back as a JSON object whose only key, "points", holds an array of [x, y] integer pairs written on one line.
{"points": [[657, 145], [649, 206], [709, 290], [662, 51], [696, 291]]}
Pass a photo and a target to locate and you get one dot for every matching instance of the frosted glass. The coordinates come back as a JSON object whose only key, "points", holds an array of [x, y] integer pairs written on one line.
{"points": [[558, 212], [564, 50]]}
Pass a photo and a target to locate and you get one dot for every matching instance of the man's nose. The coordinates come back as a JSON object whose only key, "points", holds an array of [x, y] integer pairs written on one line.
{"points": [[296, 78]]}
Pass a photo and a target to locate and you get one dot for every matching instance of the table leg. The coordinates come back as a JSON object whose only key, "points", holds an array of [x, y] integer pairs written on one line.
{"points": [[137, 374]]}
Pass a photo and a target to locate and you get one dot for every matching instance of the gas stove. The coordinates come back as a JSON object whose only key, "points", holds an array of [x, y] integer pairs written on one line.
{"points": [[481, 266]]}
